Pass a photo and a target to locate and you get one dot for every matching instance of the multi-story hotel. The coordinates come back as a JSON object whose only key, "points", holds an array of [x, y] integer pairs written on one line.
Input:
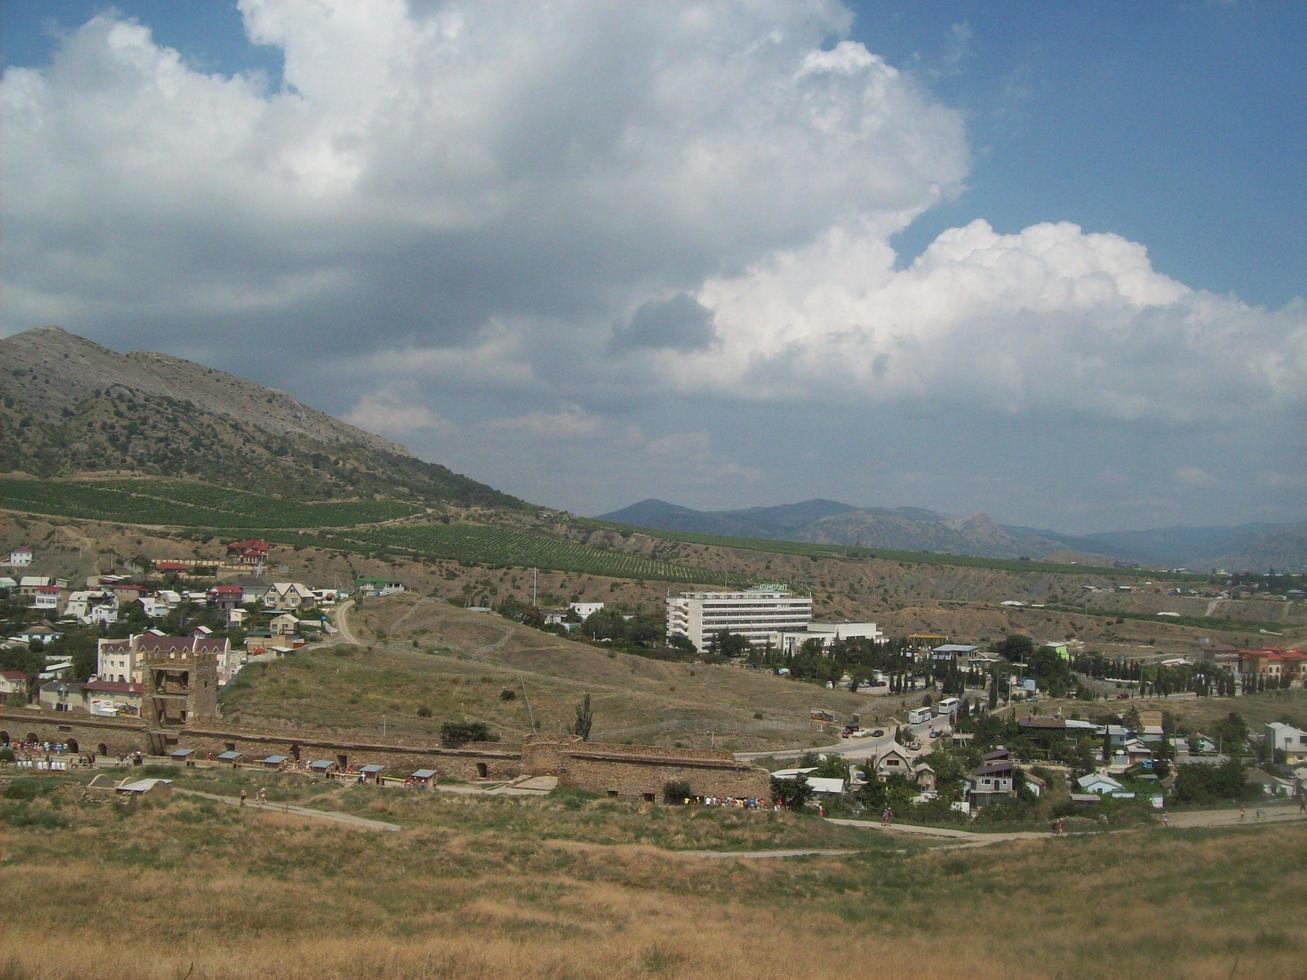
{"points": [[754, 614]]}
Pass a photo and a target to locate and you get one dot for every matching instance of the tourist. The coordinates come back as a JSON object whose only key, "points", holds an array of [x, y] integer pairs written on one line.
{"points": [[242, 796]]}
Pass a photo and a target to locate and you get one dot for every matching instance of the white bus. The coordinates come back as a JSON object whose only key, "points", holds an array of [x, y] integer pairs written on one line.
{"points": [[949, 706], [917, 715]]}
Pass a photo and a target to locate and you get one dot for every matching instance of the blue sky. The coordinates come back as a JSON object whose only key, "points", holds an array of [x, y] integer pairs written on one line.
{"points": [[1044, 261]]}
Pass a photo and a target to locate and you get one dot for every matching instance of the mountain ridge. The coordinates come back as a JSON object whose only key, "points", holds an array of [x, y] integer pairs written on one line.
{"points": [[1245, 546], [69, 405]]}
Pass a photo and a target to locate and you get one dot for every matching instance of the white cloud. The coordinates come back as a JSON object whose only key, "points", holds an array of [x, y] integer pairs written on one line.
{"points": [[388, 413], [569, 422], [1049, 318]]}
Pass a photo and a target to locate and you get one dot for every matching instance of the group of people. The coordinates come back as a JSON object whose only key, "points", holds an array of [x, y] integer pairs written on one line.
{"points": [[736, 802]]}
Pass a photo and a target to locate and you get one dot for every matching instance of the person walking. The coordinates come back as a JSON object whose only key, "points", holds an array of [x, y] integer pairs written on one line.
{"points": [[1166, 819], [242, 796], [1243, 811]]}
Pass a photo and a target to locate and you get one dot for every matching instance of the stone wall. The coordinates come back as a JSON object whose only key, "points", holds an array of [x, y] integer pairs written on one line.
{"points": [[638, 771], [107, 736]]}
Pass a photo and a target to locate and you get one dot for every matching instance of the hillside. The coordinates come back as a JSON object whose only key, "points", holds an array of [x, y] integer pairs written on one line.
{"points": [[69, 406]]}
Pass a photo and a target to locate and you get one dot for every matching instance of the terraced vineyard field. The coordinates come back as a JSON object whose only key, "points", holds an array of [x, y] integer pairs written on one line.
{"points": [[820, 550], [178, 504], [502, 547]]}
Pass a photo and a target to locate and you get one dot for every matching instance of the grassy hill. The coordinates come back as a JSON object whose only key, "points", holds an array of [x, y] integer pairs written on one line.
{"points": [[420, 653], [595, 888]]}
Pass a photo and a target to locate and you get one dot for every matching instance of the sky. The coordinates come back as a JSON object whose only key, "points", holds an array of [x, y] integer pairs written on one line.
{"points": [[1045, 261]]}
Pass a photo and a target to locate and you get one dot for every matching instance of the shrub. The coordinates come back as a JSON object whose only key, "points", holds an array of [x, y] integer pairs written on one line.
{"points": [[424, 712], [507, 694], [676, 791], [454, 733]]}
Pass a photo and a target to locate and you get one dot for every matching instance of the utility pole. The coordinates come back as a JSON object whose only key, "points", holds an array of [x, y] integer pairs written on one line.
{"points": [[535, 581], [529, 713]]}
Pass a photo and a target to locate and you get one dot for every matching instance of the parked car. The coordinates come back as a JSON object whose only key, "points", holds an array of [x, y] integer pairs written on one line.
{"points": [[878, 733]]}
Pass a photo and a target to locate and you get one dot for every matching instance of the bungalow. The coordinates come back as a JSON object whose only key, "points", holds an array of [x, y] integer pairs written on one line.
{"points": [[20, 557], [1063, 650], [826, 785], [8, 584], [13, 687], [287, 596], [40, 633], [114, 699], [1100, 784]]}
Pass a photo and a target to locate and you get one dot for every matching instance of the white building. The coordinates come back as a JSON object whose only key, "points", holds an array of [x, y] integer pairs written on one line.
{"points": [[1287, 739], [20, 558], [93, 606], [754, 614], [585, 609], [789, 641]]}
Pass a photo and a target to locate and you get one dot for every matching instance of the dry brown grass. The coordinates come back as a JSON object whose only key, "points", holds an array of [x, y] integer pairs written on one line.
{"points": [[190, 889]]}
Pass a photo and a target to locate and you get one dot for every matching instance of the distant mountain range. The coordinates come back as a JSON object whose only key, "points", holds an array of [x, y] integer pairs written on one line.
{"points": [[1248, 546], [68, 406]]}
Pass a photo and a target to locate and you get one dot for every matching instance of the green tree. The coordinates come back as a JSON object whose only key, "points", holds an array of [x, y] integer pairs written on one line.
{"points": [[794, 793], [584, 718]]}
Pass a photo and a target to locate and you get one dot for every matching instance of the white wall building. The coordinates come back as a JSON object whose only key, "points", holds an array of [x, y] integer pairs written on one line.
{"points": [[585, 609], [754, 614], [20, 558], [790, 641], [93, 606]]}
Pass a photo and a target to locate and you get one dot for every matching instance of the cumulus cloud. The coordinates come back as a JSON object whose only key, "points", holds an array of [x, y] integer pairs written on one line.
{"points": [[1193, 476], [1050, 317]]}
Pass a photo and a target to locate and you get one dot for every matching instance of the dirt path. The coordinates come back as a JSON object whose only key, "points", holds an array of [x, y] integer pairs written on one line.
{"points": [[342, 622], [331, 816]]}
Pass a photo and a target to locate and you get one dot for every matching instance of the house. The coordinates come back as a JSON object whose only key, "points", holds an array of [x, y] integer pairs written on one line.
{"points": [[1063, 650], [990, 783], [250, 552], [114, 699], [1135, 753], [8, 584], [20, 557], [1100, 784], [1287, 739], [287, 596], [41, 633], [893, 761], [283, 625], [1274, 786], [236, 617], [62, 696], [827, 785], [99, 606], [1272, 663], [124, 660], [13, 687], [585, 609], [377, 588], [45, 597], [224, 597], [954, 655]]}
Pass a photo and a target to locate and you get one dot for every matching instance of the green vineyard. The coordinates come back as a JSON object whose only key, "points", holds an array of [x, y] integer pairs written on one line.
{"points": [[172, 503], [501, 547]]}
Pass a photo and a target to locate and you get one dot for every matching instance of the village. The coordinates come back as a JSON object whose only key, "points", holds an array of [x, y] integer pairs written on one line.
{"points": [[1004, 735]]}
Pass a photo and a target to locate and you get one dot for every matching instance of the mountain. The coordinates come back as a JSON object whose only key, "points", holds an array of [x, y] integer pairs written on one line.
{"points": [[1249, 546], [69, 406], [832, 522]]}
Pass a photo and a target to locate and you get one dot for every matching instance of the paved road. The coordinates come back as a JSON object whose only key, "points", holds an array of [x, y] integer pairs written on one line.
{"points": [[332, 816]]}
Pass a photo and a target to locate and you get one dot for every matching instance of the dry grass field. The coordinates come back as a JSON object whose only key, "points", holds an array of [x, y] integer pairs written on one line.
{"points": [[191, 888], [423, 653]]}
